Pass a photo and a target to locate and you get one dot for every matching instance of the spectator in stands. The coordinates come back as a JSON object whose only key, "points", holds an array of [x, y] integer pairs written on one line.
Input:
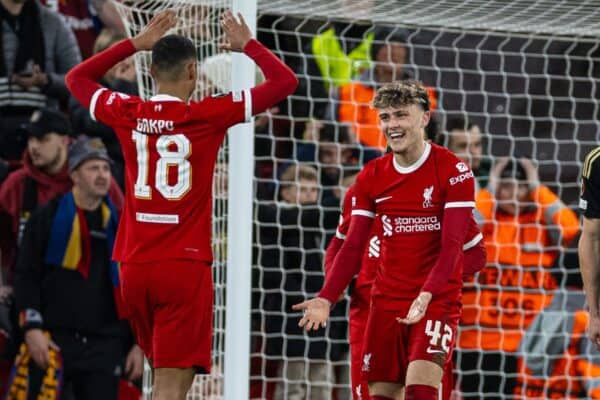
{"points": [[86, 18], [464, 139], [523, 224], [67, 286], [121, 78], [353, 101], [335, 55], [38, 49], [289, 267], [43, 177], [557, 360]]}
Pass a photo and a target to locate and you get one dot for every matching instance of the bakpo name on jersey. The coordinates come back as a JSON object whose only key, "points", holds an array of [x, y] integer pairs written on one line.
{"points": [[149, 125]]}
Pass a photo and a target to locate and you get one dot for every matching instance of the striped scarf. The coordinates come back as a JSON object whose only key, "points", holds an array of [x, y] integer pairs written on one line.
{"points": [[69, 245], [26, 382]]}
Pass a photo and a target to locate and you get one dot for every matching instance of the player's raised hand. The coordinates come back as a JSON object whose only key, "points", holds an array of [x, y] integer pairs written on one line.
{"points": [[417, 309], [316, 313], [237, 32], [156, 28]]}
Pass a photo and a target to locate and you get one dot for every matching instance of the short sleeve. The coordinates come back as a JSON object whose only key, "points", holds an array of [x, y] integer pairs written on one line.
{"points": [[362, 203], [460, 184], [589, 201], [226, 110], [113, 108]]}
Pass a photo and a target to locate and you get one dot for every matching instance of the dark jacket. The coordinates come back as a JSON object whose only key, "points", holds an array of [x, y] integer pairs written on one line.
{"points": [[289, 242], [45, 187], [67, 301]]}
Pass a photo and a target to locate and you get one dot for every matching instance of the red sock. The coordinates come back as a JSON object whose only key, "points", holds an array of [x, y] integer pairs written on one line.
{"points": [[420, 392], [381, 398]]}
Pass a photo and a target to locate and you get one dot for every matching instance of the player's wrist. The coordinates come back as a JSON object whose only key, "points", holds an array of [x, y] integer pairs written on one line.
{"points": [[424, 295], [325, 301]]}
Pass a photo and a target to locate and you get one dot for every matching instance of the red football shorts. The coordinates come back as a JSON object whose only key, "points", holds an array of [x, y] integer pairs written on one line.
{"points": [[390, 346], [169, 305], [359, 314]]}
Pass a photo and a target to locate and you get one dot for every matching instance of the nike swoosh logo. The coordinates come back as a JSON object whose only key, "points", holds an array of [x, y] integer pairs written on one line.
{"points": [[434, 351], [379, 200]]}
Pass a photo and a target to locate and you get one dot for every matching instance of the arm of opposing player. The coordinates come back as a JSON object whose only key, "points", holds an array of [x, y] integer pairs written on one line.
{"points": [[589, 257]]}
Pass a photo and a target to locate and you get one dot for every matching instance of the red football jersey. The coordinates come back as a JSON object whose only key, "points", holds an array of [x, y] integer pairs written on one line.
{"points": [[370, 260], [170, 148], [410, 203]]}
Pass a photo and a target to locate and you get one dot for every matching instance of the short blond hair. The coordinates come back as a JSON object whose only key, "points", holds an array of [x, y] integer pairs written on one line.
{"points": [[106, 38], [296, 172], [401, 93]]}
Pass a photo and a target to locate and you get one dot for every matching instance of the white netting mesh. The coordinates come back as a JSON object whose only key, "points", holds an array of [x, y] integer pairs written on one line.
{"points": [[525, 72], [565, 17]]}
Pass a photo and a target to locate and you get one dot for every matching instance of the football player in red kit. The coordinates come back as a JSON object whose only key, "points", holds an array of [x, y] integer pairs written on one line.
{"points": [[474, 261], [170, 145], [423, 196]]}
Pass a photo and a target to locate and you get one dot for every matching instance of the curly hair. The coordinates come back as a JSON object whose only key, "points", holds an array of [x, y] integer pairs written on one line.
{"points": [[401, 93]]}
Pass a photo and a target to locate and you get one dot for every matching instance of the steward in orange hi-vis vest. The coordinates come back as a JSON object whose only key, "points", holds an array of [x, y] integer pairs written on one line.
{"points": [[557, 359], [522, 226]]}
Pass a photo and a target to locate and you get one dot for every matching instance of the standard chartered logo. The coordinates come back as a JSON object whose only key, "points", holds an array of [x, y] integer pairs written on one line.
{"points": [[387, 225], [429, 223]]}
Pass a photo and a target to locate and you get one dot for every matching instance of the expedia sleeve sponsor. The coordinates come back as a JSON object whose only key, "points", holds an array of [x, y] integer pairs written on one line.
{"points": [[461, 178]]}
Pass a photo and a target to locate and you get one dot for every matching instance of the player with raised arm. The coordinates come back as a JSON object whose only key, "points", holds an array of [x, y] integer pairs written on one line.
{"points": [[474, 261], [424, 197], [170, 145]]}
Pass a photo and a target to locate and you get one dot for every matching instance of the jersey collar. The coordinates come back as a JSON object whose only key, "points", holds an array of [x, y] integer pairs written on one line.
{"points": [[415, 166], [165, 97]]}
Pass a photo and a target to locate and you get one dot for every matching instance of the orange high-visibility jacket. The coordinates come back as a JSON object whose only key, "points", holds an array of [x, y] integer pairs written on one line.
{"points": [[355, 108], [556, 358], [516, 283]]}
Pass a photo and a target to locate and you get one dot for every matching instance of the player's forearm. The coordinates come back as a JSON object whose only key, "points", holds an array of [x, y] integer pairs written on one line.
{"points": [[348, 260], [332, 250], [589, 258], [82, 80], [280, 80], [454, 230]]}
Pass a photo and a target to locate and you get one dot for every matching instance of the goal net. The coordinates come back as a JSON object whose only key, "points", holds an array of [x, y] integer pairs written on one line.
{"points": [[524, 72]]}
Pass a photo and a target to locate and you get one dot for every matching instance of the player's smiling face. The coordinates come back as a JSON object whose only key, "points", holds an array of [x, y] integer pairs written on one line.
{"points": [[403, 128]]}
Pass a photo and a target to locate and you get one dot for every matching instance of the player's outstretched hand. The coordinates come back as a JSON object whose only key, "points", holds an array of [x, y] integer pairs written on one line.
{"points": [[237, 33], [316, 313], [417, 309], [156, 28]]}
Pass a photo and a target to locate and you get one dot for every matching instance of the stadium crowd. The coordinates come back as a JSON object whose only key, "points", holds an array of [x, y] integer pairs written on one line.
{"points": [[522, 332]]}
